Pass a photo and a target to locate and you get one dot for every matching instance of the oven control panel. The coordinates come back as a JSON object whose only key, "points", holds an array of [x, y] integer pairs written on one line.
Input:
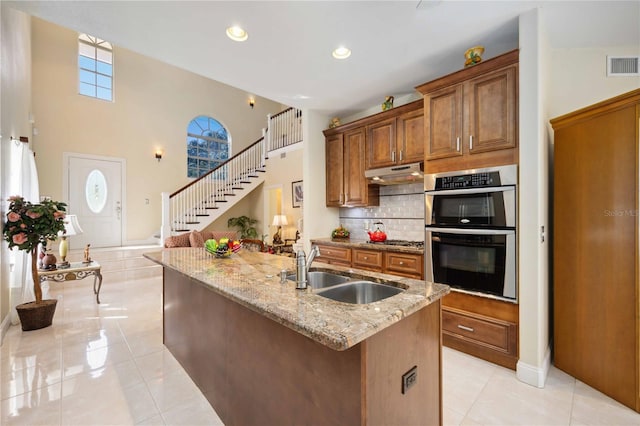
{"points": [[468, 181]]}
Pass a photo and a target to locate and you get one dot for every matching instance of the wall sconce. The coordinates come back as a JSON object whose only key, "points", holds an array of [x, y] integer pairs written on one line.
{"points": [[158, 155], [252, 102]]}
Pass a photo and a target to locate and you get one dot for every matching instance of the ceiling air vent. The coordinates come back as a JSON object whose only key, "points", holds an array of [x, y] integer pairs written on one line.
{"points": [[623, 66]]}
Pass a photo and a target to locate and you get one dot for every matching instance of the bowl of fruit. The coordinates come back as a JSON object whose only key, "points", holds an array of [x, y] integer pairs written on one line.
{"points": [[223, 248], [340, 233]]}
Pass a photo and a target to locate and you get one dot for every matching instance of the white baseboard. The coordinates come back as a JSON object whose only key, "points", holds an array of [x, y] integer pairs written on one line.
{"points": [[532, 375], [4, 327]]}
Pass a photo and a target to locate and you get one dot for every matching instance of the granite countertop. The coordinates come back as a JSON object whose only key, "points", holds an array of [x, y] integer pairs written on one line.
{"points": [[364, 244], [252, 280]]}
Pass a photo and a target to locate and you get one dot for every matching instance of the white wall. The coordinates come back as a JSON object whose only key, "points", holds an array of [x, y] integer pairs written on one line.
{"points": [[533, 274], [319, 219], [153, 104], [15, 90], [579, 78]]}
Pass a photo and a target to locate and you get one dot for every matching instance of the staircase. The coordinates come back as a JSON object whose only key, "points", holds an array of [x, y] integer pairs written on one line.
{"points": [[198, 204]]}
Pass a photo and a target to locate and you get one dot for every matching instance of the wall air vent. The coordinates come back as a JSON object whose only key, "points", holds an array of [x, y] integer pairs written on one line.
{"points": [[623, 66]]}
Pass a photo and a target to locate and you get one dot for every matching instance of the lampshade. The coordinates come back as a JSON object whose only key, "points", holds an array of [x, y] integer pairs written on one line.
{"points": [[71, 225], [279, 220]]}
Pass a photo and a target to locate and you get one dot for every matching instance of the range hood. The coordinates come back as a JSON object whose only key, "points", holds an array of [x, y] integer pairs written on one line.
{"points": [[396, 175]]}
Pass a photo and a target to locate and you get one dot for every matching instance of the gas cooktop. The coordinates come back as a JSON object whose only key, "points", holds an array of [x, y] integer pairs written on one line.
{"points": [[404, 243]]}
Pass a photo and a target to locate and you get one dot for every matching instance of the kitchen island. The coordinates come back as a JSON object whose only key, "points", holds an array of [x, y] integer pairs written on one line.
{"points": [[265, 353]]}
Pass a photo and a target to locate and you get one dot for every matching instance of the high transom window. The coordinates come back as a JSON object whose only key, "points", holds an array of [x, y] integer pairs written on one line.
{"points": [[207, 145], [95, 67]]}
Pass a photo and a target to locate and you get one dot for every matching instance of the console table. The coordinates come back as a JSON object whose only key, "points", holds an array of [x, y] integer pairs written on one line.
{"points": [[75, 271]]}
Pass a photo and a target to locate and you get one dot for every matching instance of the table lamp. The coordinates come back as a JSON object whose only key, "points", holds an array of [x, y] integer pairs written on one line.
{"points": [[279, 220], [71, 227]]}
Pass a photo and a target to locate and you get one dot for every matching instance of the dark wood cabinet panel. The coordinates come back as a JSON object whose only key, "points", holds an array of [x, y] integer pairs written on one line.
{"points": [[492, 111], [443, 123], [381, 144], [355, 184], [410, 135], [334, 147]]}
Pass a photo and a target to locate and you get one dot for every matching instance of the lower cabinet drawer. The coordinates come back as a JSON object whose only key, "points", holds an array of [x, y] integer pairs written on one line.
{"points": [[367, 259], [335, 255], [404, 264], [484, 331]]}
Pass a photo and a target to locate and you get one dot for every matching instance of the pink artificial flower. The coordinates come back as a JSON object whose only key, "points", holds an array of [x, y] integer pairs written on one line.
{"points": [[14, 198], [20, 238], [58, 214], [13, 217], [23, 225], [33, 215]]}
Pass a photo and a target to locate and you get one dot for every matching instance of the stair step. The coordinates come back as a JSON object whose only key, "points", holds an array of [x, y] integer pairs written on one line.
{"points": [[229, 195], [246, 182], [239, 188], [212, 208], [202, 215], [192, 223]]}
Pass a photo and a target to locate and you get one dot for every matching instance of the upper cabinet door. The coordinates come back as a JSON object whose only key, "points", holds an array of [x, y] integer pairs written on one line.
{"points": [[334, 147], [355, 184], [381, 144], [492, 104], [410, 129], [443, 122]]}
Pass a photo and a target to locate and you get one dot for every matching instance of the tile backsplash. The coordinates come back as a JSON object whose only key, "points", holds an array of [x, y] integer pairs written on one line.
{"points": [[401, 210]]}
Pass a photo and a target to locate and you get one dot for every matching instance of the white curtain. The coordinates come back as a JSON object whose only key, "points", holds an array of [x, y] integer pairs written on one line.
{"points": [[23, 180]]}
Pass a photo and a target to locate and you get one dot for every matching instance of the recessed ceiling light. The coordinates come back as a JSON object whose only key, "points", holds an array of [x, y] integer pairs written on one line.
{"points": [[237, 34], [341, 53]]}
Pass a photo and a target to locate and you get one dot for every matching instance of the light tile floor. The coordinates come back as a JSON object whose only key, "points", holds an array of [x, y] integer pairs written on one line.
{"points": [[105, 364]]}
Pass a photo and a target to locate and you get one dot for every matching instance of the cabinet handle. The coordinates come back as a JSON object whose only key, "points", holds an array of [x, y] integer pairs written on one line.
{"points": [[400, 155], [366, 258], [458, 144], [470, 142], [465, 328], [401, 263], [393, 156]]}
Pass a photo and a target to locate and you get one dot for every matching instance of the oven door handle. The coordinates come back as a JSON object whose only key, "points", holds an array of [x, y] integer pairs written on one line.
{"points": [[471, 190], [472, 231]]}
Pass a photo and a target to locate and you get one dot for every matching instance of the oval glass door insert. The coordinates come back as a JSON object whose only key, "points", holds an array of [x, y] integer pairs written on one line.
{"points": [[96, 191]]}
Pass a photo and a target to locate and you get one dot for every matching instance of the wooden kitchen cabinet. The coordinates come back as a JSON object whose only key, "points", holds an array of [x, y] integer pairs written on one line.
{"points": [[334, 148], [404, 264], [596, 310], [346, 185], [482, 327], [396, 139], [471, 116], [334, 255], [367, 259]]}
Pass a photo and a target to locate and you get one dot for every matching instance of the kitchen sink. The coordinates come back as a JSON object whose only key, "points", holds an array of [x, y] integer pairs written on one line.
{"points": [[359, 292], [321, 279]]}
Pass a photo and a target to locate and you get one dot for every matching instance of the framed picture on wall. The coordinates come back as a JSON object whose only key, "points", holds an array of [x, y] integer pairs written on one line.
{"points": [[296, 193]]}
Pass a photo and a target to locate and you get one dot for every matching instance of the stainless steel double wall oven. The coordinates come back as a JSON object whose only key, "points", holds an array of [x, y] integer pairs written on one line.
{"points": [[470, 241]]}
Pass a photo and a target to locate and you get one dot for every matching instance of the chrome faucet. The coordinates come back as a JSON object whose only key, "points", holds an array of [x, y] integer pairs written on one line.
{"points": [[301, 270], [315, 251], [303, 264]]}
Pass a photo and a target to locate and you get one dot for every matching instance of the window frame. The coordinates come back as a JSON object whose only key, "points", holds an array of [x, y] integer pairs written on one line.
{"points": [[212, 161], [97, 53]]}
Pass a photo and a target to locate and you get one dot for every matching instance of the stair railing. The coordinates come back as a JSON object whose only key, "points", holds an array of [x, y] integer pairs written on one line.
{"points": [[285, 128], [187, 204]]}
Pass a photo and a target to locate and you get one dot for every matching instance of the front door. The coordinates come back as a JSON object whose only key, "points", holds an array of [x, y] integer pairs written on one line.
{"points": [[95, 196]]}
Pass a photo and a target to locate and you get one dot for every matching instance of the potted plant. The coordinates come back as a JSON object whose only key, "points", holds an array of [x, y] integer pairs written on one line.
{"points": [[245, 226], [27, 226]]}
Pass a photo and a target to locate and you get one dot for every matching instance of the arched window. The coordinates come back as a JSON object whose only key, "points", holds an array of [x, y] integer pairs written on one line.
{"points": [[207, 145], [95, 67]]}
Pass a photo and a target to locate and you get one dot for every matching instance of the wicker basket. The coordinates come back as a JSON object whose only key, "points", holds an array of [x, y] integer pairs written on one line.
{"points": [[36, 316]]}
